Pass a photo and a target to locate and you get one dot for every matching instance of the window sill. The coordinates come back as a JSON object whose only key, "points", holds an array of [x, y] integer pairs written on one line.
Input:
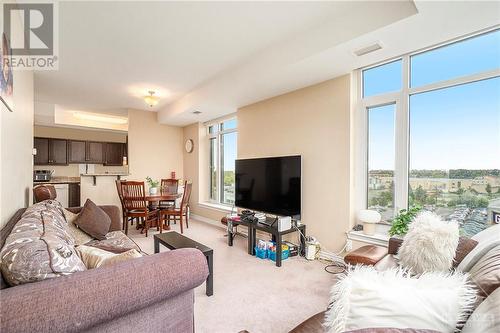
{"points": [[216, 206], [381, 239]]}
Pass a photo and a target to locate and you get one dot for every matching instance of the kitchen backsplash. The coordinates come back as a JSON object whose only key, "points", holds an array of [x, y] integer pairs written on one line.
{"points": [[72, 170]]}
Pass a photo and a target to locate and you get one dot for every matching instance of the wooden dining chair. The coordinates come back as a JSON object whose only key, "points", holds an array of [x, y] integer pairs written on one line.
{"points": [[125, 219], [181, 212], [169, 186], [134, 200]]}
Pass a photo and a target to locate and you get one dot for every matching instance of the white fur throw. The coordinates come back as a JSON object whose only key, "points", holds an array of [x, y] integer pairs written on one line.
{"points": [[367, 298], [429, 245]]}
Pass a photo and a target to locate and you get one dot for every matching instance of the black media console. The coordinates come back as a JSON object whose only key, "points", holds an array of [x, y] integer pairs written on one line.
{"points": [[269, 228]]}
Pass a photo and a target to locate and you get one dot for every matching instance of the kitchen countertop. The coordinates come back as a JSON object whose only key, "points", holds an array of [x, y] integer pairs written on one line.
{"points": [[113, 174], [59, 180]]}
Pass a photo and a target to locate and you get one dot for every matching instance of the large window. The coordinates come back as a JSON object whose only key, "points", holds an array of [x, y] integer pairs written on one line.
{"points": [[222, 144], [381, 138], [443, 107]]}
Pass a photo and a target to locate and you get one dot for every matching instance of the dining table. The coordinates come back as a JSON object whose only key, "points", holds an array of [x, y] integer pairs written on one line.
{"points": [[154, 199], [162, 196]]}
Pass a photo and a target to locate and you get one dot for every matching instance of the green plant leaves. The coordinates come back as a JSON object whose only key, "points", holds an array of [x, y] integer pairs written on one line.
{"points": [[401, 222]]}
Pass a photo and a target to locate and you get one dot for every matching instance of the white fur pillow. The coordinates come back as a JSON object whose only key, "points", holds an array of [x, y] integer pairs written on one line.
{"points": [[429, 245], [366, 298]]}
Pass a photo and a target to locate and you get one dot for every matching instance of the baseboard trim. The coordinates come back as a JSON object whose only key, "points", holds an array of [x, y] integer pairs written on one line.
{"points": [[208, 221]]}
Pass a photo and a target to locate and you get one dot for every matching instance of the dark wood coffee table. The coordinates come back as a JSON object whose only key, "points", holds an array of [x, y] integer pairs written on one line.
{"points": [[173, 240]]}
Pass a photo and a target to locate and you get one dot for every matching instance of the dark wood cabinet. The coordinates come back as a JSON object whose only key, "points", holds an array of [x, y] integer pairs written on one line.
{"points": [[58, 152], [114, 153], [50, 151], [42, 151], [74, 195], [95, 152], [77, 151]]}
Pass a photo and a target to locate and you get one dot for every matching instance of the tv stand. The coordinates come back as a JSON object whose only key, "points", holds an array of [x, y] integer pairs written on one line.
{"points": [[272, 228]]}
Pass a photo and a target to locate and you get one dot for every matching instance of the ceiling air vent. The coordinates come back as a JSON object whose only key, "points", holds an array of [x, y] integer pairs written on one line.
{"points": [[368, 49]]}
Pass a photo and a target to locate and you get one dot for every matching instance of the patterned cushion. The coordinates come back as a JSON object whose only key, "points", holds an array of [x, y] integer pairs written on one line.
{"points": [[116, 242], [39, 246], [94, 257], [79, 236]]}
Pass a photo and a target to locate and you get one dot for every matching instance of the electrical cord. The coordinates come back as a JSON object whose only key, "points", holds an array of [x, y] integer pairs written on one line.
{"points": [[337, 264]]}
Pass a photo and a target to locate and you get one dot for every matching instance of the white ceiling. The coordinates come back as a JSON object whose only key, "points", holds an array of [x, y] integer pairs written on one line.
{"points": [[218, 56]]}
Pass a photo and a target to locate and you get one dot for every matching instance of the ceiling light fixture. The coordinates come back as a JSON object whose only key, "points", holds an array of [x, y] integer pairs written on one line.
{"points": [[151, 100], [104, 119]]}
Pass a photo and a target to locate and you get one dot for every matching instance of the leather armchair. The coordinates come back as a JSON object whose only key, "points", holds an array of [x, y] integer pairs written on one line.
{"points": [[44, 192]]}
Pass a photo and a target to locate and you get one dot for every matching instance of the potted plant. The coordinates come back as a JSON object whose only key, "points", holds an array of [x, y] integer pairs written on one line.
{"points": [[402, 221], [153, 185]]}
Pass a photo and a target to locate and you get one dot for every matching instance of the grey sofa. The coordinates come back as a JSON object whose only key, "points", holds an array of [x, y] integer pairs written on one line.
{"points": [[149, 294]]}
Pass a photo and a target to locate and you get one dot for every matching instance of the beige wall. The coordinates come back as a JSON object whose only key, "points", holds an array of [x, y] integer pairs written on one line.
{"points": [[79, 134], [155, 150], [16, 152], [313, 122]]}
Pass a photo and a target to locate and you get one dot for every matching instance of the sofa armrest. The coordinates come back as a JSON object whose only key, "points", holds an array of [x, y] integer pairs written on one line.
{"points": [[113, 213], [85, 299]]}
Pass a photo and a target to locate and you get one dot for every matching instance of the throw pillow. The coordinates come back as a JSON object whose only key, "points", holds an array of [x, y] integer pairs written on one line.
{"points": [[366, 298], [429, 245], [486, 273], [486, 317], [116, 242], [79, 236], [93, 257], [93, 220], [465, 246], [487, 239]]}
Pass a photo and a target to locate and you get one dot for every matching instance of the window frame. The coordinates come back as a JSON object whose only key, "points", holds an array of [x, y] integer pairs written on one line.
{"points": [[402, 132], [219, 143]]}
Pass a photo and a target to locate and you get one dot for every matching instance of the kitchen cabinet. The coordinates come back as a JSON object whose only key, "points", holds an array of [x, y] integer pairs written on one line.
{"points": [[42, 151], [50, 151], [114, 153], [58, 152], [95, 152], [77, 151]]}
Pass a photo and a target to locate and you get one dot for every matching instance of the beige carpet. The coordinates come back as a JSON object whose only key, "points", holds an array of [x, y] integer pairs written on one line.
{"points": [[251, 293]]}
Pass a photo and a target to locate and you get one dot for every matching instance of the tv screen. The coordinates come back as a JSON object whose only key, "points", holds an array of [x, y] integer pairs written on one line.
{"points": [[271, 185]]}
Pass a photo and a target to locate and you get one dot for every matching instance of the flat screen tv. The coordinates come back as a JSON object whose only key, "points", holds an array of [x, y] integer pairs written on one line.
{"points": [[270, 185]]}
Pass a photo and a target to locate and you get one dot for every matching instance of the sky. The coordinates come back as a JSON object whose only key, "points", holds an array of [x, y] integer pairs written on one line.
{"points": [[456, 127]]}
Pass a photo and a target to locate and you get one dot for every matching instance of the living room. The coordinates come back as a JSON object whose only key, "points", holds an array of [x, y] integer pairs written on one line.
{"points": [[299, 162]]}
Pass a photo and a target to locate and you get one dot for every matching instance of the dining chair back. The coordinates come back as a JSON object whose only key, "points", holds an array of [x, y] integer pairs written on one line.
{"points": [[118, 183], [170, 185], [186, 195], [134, 197]]}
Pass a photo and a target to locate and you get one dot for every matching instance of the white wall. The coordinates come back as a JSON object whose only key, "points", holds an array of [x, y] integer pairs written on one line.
{"points": [[16, 161]]}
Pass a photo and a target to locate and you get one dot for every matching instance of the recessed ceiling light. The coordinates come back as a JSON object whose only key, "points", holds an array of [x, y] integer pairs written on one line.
{"points": [[196, 112], [365, 50]]}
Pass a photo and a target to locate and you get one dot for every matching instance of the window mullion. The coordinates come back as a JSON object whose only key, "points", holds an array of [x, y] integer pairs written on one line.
{"points": [[402, 142]]}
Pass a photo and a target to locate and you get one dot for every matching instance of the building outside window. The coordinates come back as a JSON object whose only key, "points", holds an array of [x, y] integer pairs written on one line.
{"points": [[223, 138], [429, 126]]}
